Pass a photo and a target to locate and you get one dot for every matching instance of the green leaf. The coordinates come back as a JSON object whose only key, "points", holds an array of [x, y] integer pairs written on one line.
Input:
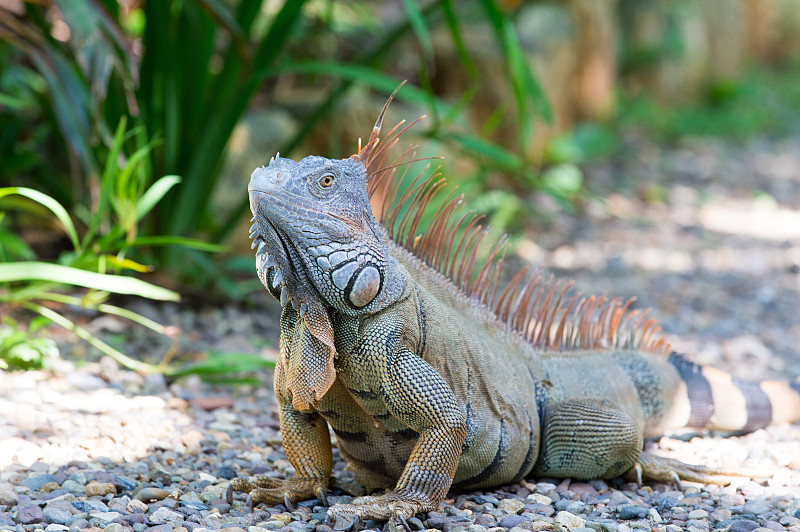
{"points": [[564, 179], [154, 194], [500, 156], [279, 33], [417, 20], [50, 203], [102, 307], [12, 247], [92, 340], [362, 74], [219, 363], [224, 18], [14, 103], [118, 284], [458, 41], [585, 142], [523, 82], [126, 264], [168, 240]]}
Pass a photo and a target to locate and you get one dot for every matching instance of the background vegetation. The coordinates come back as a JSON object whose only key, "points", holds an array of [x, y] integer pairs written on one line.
{"points": [[117, 118]]}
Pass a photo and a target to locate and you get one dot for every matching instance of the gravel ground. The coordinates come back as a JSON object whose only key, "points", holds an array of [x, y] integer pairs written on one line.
{"points": [[706, 233]]}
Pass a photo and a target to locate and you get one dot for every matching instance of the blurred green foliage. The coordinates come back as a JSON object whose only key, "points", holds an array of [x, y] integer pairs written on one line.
{"points": [[95, 260], [97, 100], [197, 66], [22, 348], [762, 102]]}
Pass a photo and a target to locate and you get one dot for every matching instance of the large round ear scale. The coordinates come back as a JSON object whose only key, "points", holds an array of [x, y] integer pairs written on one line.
{"points": [[364, 153]]}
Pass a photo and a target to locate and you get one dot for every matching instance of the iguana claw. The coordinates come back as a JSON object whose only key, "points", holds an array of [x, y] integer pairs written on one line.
{"points": [[357, 522], [677, 480], [637, 469], [250, 503], [273, 491], [320, 493], [399, 517]]}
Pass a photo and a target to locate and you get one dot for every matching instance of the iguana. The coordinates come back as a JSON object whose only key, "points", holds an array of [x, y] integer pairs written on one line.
{"points": [[433, 379]]}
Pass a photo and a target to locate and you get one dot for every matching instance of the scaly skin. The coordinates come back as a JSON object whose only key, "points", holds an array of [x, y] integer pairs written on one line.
{"points": [[427, 389]]}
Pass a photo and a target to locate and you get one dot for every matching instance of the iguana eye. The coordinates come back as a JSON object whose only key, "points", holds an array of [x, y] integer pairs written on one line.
{"points": [[326, 180]]}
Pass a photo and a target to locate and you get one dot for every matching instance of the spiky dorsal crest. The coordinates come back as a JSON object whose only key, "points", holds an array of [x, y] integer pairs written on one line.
{"points": [[540, 310]]}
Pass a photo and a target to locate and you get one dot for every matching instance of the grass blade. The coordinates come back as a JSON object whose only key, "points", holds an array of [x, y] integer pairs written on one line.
{"points": [[50, 203], [524, 84], [219, 363], [122, 358], [417, 20], [362, 74], [118, 284], [501, 157], [108, 309], [168, 240], [458, 41], [154, 194]]}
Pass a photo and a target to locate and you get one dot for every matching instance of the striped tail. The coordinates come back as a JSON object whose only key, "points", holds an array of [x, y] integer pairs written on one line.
{"points": [[723, 402]]}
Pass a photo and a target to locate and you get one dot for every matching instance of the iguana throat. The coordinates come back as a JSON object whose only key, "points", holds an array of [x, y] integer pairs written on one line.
{"points": [[319, 249]]}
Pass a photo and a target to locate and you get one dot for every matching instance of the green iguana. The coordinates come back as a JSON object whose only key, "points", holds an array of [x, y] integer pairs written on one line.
{"points": [[431, 378]]}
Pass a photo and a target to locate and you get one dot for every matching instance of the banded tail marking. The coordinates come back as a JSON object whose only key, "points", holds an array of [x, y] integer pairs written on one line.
{"points": [[720, 401]]}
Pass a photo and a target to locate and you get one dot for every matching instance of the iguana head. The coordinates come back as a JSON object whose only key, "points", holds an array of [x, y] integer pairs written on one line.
{"points": [[316, 224], [320, 246]]}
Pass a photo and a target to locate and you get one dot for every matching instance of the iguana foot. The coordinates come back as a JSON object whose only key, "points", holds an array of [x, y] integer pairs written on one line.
{"points": [[389, 507], [272, 491], [669, 470]]}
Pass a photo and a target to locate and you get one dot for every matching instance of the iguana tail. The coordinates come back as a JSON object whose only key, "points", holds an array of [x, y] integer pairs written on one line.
{"points": [[721, 401]]}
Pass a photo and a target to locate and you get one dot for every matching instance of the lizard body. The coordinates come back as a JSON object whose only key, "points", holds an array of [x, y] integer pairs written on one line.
{"points": [[430, 379]]}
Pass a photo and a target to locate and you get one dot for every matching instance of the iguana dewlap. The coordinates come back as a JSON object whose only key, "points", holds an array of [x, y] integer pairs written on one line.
{"points": [[433, 379]]}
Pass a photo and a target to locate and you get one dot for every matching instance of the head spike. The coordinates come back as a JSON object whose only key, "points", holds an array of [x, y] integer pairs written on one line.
{"points": [[364, 153]]}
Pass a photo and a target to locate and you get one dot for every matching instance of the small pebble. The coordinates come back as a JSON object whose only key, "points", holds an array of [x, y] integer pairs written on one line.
{"points": [[510, 521], [415, 524], [79, 524], [165, 515], [56, 515], [8, 495], [103, 517], [756, 507], [630, 511], [100, 489], [36, 483], [541, 499], [30, 513], [743, 525], [569, 521], [697, 514], [151, 494], [72, 486], [511, 506]]}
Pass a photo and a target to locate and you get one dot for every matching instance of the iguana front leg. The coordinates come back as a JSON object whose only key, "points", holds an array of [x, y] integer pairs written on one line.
{"points": [[307, 444], [417, 396]]}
